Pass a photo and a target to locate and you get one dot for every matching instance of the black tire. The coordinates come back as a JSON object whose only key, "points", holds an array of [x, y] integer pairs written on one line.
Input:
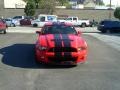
{"points": [[4, 32], [92, 25], [12, 25], [37, 61], [83, 25], [108, 31], [35, 25], [103, 31]]}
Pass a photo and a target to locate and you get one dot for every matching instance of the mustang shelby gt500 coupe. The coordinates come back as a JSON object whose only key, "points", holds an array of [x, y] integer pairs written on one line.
{"points": [[60, 44]]}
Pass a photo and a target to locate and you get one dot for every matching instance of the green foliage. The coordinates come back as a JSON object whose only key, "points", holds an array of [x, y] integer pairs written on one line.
{"points": [[35, 1], [108, 5], [49, 7], [68, 6], [63, 2], [30, 8], [101, 3], [117, 13]]}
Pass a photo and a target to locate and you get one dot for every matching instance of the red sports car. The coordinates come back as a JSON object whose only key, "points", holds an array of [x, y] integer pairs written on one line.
{"points": [[3, 26], [60, 44]]}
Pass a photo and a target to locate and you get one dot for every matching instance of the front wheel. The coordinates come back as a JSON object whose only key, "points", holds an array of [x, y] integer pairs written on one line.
{"points": [[4, 32], [103, 31], [108, 31], [12, 25], [35, 25], [83, 25]]}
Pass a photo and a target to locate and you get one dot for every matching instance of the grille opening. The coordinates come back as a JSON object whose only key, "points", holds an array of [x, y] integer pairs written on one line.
{"points": [[62, 49], [61, 59]]}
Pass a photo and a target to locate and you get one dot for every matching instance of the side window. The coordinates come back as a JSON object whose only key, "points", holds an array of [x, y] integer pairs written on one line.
{"points": [[69, 19], [75, 19], [116, 24], [42, 19], [8, 20], [102, 22], [50, 18], [17, 17], [20, 17]]}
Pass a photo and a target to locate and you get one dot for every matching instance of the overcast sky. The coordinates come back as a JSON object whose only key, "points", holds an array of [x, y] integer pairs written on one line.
{"points": [[114, 2]]}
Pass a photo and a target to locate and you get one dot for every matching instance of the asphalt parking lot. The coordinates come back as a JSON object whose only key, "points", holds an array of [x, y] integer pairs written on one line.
{"points": [[18, 70]]}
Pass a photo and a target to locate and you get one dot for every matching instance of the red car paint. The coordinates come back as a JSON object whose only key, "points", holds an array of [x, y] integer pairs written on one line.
{"points": [[61, 49], [3, 26], [25, 22]]}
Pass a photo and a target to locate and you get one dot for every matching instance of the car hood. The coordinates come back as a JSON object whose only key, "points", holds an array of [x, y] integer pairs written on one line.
{"points": [[61, 40]]}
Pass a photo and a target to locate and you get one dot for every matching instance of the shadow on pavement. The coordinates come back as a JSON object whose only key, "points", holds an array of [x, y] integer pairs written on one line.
{"points": [[22, 56]]}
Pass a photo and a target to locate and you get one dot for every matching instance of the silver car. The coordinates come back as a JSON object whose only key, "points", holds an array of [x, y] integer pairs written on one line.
{"points": [[10, 22]]}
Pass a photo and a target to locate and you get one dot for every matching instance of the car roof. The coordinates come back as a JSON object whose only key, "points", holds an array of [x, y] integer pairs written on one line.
{"points": [[58, 23], [110, 21]]}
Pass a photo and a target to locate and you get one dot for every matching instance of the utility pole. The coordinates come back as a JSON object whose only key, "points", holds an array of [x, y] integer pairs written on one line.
{"points": [[110, 14]]}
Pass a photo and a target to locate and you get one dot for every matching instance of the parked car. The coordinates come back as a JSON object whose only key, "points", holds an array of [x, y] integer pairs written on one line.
{"points": [[16, 19], [26, 21], [76, 21], [108, 26], [61, 44], [3, 26], [93, 23], [10, 22], [42, 19]]}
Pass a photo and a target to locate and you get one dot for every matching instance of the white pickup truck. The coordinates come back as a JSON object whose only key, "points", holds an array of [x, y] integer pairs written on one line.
{"points": [[42, 19], [76, 22]]}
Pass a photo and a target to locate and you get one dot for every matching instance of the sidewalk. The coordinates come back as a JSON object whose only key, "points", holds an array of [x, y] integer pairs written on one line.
{"points": [[22, 29]]}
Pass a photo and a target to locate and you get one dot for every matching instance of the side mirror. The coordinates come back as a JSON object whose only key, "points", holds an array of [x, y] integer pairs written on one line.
{"points": [[79, 33], [38, 32]]}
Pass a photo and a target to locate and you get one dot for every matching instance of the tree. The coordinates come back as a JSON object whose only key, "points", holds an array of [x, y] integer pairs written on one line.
{"points": [[101, 3], [63, 2], [117, 13], [49, 7], [30, 8], [35, 1]]}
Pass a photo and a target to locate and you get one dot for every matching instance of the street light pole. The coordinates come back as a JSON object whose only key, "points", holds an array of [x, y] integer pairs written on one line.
{"points": [[110, 10]]}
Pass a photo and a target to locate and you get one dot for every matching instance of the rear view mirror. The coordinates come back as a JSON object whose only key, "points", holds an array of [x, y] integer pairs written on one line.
{"points": [[38, 32]]}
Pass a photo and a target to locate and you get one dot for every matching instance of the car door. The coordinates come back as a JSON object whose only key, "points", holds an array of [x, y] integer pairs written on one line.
{"points": [[8, 22], [116, 25]]}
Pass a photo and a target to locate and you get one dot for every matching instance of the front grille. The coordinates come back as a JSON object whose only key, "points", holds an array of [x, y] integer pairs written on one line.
{"points": [[62, 49], [61, 59]]}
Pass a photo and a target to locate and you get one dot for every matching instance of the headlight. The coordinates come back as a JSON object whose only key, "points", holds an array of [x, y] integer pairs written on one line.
{"points": [[81, 48]]}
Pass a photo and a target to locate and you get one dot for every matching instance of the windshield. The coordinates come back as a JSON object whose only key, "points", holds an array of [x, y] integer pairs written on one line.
{"points": [[59, 29]]}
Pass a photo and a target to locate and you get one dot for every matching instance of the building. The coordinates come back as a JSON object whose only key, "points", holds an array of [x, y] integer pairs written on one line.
{"points": [[14, 4], [11, 8], [89, 4]]}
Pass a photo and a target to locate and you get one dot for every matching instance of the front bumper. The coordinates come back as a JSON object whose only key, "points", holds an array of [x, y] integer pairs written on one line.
{"points": [[49, 57]]}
